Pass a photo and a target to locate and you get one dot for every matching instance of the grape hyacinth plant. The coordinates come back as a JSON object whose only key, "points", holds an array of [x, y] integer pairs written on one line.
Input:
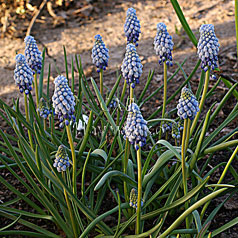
{"points": [[132, 27], [131, 69], [23, 75], [34, 60], [72, 184], [100, 56], [163, 46], [63, 101]]}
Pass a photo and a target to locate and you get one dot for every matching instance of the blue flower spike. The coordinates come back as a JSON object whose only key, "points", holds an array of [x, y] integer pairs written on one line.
{"points": [[132, 27], [133, 198], [208, 47], [43, 109], [188, 105], [61, 162], [23, 74], [131, 66], [100, 54], [63, 101], [163, 45], [135, 128], [33, 55]]}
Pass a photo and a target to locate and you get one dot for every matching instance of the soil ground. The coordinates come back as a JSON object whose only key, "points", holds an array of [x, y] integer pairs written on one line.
{"points": [[76, 32]]}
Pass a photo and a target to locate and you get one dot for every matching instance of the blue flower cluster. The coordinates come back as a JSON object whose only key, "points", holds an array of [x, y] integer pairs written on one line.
{"points": [[100, 54], [136, 127], [132, 26], [61, 162], [33, 55], [23, 75], [43, 109], [166, 126], [208, 47], [133, 198], [188, 105], [63, 101], [163, 44], [113, 104], [131, 66], [176, 131]]}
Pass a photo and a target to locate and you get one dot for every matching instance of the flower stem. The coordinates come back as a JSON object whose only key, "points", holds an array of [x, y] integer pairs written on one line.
{"points": [[101, 82], [71, 143], [131, 95], [27, 119], [70, 210], [36, 91], [138, 210], [236, 23], [165, 89], [201, 102], [126, 157], [45, 125]]}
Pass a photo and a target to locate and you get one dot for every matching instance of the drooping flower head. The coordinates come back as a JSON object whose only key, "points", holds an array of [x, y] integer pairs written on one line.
{"points": [[131, 66], [61, 162], [33, 55], [188, 105], [135, 128], [163, 44], [23, 75], [43, 109], [63, 101], [132, 27], [208, 47], [134, 198], [100, 54]]}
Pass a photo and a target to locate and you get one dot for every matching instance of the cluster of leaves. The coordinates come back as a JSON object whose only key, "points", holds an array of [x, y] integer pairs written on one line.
{"points": [[101, 162]]}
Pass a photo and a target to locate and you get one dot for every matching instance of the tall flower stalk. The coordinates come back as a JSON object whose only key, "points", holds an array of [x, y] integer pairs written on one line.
{"points": [[135, 131], [23, 77], [34, 60], [208, 48], [187, 110], [64, 103], [163, 46]]}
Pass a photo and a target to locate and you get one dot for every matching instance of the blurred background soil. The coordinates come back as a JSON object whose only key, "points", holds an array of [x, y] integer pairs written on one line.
{"points": [[74, 24]]}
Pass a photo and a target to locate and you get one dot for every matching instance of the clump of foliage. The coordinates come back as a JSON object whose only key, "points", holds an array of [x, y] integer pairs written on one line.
{"points": [[157, 176]]}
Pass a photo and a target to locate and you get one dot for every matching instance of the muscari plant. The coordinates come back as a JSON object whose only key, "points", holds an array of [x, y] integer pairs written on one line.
{"points": [[161, 188]]}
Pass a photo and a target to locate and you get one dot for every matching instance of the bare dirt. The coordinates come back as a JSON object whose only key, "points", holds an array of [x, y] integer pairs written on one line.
{"points": [[76, 32]]}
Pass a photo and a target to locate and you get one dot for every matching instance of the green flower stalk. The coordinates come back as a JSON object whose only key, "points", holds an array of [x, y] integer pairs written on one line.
{"points": [[135, 131], [23, 77], [208, 48], [34, 60], [163, 46]]}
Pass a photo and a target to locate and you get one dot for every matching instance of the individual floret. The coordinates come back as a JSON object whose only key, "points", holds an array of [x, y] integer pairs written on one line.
{"points": [[163, 44], [131, 66], [43, 109], [208, 47], [100, 54], [23, 75], [61, 162], [132, 27], [135, 128], [188, 105], [63, 101], [33, 55], [134, 198]]}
